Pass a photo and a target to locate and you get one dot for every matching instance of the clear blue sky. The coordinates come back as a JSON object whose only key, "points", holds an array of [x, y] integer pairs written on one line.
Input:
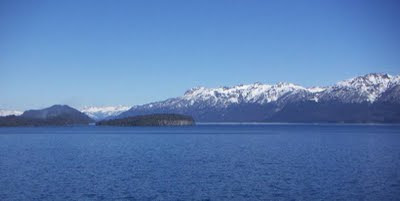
{"points": [[133, 52]]}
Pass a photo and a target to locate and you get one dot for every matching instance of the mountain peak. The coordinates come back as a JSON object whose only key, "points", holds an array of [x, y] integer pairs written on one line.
{"points": [[367, 87], [52, 111], [102, 112], [193, 90], [377, 75], [368, 79], [59, 107], [60, 115]]}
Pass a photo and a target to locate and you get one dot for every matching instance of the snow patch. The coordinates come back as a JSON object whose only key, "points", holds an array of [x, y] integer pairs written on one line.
{"points": [[99, 113], [9, 112]]}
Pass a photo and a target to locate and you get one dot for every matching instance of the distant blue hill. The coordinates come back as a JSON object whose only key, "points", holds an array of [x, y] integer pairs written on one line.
{"points": [[56, 115]]}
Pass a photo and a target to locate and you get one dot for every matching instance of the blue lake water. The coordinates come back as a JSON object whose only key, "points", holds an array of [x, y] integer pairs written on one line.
{"points": [[204, 162]]}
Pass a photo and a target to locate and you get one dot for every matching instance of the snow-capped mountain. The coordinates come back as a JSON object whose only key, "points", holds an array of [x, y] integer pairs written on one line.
{"points": [[260, 102], [223, 97], [9, 112], [252, 93], [367, 88], [99, 113], [373, 97]]}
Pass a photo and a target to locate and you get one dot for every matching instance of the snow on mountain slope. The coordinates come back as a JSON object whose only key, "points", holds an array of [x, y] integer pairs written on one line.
{"points": [[316, 89], [259, 102], [367, 88], [251, 93], [9, 112], [259, 99], [223, 97], [99, 113]]}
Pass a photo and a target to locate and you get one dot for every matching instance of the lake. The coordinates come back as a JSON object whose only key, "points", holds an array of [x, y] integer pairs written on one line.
{"points": [[204, 162]]}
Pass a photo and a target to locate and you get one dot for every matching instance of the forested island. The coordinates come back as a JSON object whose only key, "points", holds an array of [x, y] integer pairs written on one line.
{"points": [[150, 120]]}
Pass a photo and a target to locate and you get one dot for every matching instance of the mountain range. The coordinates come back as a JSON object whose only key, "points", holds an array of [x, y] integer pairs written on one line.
{"points": [[373, 97]]}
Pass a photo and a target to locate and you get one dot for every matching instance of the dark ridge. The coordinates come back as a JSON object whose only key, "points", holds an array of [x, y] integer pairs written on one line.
{"points": [[334, 112]]}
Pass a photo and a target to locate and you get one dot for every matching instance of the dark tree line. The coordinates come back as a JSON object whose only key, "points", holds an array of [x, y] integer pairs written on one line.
{"points": [[150, 120], [14, 121]]}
